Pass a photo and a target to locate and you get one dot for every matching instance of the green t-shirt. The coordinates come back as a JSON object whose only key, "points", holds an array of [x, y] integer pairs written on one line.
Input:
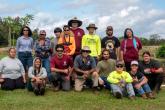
{"points": [[106, 67]]}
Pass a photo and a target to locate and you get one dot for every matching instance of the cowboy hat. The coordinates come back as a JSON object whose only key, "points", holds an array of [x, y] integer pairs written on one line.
{"points": [[91, 26], [74, 20], [85, 48]]}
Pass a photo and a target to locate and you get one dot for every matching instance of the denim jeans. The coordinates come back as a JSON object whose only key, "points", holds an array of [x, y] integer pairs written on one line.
{"points": [[106, 83], [144, 89], [127, 90], [46, 65], [26, 59]]}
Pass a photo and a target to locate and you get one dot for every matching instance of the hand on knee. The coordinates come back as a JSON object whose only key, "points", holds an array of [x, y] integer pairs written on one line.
{"points": [[95, 74]]}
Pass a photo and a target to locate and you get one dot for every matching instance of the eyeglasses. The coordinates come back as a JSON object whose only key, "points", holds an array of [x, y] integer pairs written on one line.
{"points": [[66, 30], [109, 30], [59, 50], [87, 51], [42, 34], [119, 66]]}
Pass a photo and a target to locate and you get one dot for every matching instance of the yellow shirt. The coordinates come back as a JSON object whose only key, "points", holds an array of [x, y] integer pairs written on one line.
{"points": [[115, 77], [93, 42]]}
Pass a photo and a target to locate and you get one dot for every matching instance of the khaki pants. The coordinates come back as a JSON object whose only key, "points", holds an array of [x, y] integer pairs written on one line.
{"points": [[80, 81]]}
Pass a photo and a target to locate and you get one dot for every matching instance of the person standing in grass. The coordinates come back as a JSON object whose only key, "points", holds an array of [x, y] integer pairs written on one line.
{"points": [[85, 66], [61, 69], [129, 48], [24, 47], [68, 41], [121, 82], [152, 70], [111, 43], [93, 41], [37, 75], [78, 34], [140, 82], [57, 33], [12, 73], [104, 67]]}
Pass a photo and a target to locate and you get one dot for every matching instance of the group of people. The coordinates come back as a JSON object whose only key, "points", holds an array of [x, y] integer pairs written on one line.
{"points": [[75, 59]]}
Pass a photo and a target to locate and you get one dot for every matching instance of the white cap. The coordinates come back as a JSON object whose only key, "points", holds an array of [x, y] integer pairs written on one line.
{"points": [[134, 62]]}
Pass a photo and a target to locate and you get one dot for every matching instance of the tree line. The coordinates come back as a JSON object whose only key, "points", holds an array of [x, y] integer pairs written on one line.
{"points": [[10, 28]]}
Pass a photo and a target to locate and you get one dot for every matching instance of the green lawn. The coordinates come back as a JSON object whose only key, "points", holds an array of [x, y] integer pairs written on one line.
{"points": [[86, 100]]}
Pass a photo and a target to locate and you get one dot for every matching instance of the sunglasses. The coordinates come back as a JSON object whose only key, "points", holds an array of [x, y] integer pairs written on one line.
{"points": [[109, 30], [87, 51], [66, 30], [119, 66], [59, 50], [25, 30], [42, 34]]}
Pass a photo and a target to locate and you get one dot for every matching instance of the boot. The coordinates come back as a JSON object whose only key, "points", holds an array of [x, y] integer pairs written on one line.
{"points": [[132, 97], [42, 91], [36, 91], [150, 95], [144, 96], [118, 95]]}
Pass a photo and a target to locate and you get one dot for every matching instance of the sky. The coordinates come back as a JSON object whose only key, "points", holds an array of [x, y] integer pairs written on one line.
{"points": [[145, 17]]}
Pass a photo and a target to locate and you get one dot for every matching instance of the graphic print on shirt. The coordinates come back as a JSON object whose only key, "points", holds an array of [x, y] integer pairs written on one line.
{"points": [[65, 64], [110, 45]]}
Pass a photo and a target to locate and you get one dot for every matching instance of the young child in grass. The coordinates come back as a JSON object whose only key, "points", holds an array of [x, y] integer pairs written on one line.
{"points": [[140, 82], [37, 75], [121, 82]]}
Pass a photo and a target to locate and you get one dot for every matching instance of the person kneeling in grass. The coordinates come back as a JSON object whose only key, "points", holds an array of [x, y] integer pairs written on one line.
{"points": [[140, 82], [37, 75], [121, 82]]}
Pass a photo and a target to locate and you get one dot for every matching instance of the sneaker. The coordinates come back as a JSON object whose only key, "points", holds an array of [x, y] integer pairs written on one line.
{"points": [[118, 95], [36, 91], [132, 97]]}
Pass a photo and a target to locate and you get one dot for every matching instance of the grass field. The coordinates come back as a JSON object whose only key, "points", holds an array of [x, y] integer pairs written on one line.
{"points": [[86, 100]]}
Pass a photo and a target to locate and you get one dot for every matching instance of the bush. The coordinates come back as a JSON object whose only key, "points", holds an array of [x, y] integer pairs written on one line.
{"points": [[161, 52]]}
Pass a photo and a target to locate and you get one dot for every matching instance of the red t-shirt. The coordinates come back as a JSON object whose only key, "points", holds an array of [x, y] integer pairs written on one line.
{"points": [[61, 63], [78, 34], [130, 53]]}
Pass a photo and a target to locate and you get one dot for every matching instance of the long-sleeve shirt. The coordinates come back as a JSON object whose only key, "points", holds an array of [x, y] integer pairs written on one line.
{"points": [[42, 73], [93, 42], [24, 44], [11, 68], [115, 77]]}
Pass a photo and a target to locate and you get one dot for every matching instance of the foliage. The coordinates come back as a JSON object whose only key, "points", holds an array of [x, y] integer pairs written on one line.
{"points": [[161, 52], [10, 27]]}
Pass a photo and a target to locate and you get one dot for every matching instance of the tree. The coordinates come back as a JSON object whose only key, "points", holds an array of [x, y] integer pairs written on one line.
{"points": [[161, 52], [154, 39], [14, 25]]}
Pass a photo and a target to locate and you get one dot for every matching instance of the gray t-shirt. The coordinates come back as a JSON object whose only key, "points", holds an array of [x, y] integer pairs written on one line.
{"points": [[11, 68], [106, 67]]}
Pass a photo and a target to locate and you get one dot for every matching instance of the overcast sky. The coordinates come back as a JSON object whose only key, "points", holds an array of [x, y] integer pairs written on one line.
{"points": [[145, 17]]}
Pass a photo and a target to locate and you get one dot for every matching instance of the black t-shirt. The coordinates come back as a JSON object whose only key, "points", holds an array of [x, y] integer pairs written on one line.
{"points": [[111, 44], [138, 75], [152, 64]]}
